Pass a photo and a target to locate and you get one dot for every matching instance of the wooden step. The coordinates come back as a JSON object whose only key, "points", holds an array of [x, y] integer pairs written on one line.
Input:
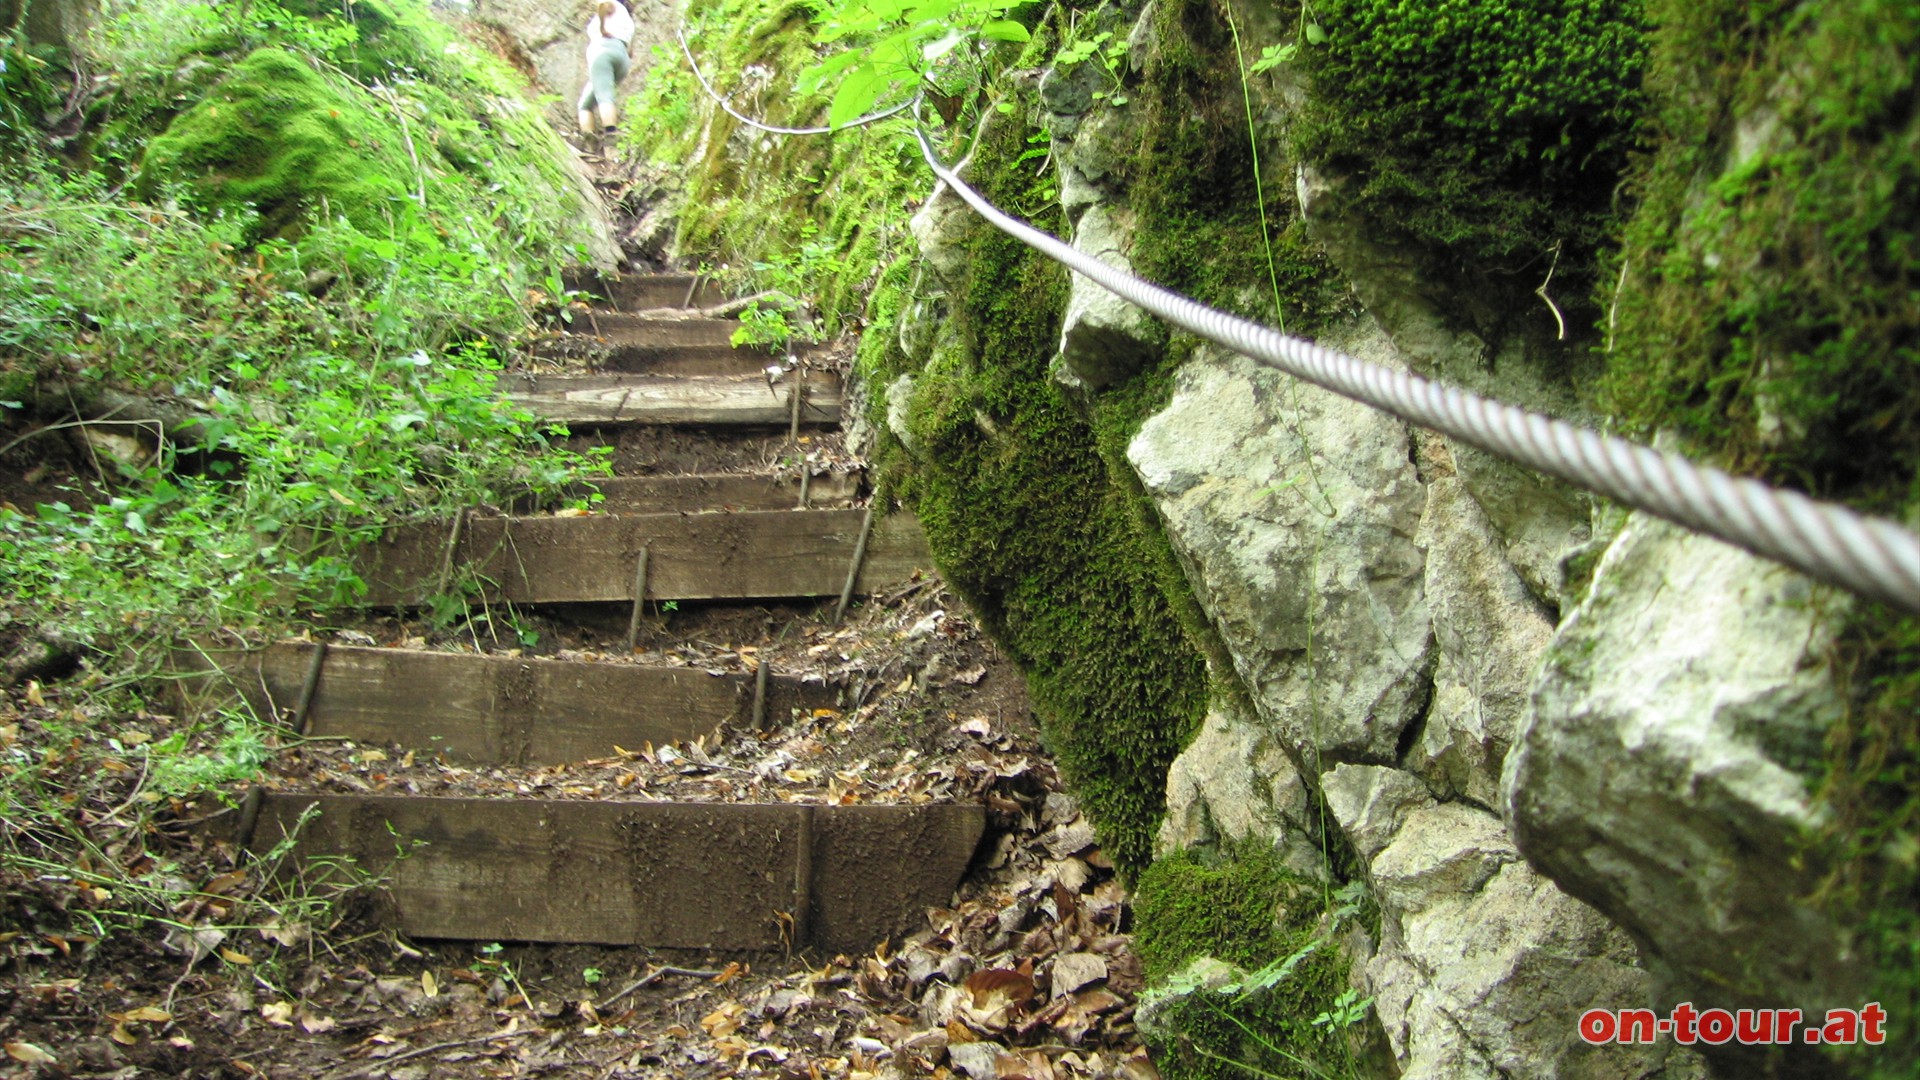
{"points": [[761, 555], [724, 877], [743, 491], [491, 710], [717, 400], [638, 292]]}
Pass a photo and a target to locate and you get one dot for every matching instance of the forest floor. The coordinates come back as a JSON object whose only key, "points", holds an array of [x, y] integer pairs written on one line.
{"points": [[220, 969]]}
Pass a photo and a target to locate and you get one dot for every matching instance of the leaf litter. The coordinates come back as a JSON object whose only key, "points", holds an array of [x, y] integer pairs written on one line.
{"points": [[1029, 973]]}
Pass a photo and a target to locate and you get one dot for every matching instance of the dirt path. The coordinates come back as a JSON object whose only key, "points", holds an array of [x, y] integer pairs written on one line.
{"points": [[282, 968]]}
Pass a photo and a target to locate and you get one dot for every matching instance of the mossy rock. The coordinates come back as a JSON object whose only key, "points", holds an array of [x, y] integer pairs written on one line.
{"points": [[1030, 523], [284, 139], [1490, 135], [1234, 951]]}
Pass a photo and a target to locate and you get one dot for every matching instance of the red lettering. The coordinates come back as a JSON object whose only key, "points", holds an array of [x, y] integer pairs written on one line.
{"points": [[1755, 1026], [1784, 1021], [1716, 1026], [1842, 1026], [1872, 1016], [1638, 1026], [1597, 1026], [1683, 1021]]}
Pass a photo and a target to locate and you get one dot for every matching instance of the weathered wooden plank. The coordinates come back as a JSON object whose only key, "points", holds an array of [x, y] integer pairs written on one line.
{"points": [[496, 709], [658, 399], [638, 292], [742, 491], [663, 875], [747, 556]]}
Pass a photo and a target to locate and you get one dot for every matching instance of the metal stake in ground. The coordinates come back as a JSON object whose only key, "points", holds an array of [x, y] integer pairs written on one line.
{"points": [[760, 695], [793, 398], [308, 686], [445, 579], [853, 571], [639, 597]]}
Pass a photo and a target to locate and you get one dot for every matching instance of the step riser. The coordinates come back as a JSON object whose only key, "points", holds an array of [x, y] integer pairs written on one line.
{"points": [[746, 556], [660, 332], [609, 400], [488, 710], [662, 875], [683, 494], [677, 361], [645, 291]]}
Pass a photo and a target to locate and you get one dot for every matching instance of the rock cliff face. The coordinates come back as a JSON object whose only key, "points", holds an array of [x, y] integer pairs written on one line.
{"points": [[1563, 790]]}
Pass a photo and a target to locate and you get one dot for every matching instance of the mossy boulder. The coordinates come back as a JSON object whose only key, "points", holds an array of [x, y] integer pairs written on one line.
{"points": [[1032, 512], [1248, 977], [284, 139]]}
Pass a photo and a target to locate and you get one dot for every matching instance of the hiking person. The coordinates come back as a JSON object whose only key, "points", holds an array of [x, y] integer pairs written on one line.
{"points": [[609, 30]]}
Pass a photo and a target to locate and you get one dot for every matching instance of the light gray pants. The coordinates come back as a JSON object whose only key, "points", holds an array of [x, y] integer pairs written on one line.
{"points": [[607, 64]]}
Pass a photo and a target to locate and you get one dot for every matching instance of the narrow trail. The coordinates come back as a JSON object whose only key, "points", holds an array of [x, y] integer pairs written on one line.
{"points": [[649, 806]]}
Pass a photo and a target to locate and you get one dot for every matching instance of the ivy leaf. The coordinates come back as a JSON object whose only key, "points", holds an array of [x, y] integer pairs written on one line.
{"points": [[1005, 30]]}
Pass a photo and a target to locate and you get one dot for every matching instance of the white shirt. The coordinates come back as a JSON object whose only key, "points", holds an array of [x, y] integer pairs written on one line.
{"points": [[619, 25]]}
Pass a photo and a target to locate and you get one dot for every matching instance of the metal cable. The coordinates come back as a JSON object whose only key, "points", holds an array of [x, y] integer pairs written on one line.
{"points": [[1832, 543], [870, 118]]}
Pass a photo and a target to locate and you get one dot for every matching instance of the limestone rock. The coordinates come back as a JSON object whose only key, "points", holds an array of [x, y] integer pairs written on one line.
{"points": [[1490, 633], [1371, 802], [1664, 774], [1103, 339], [1484, 967], [899, 397], [1294, 511], [1537, 519], [941, 227], [1233, 783]]}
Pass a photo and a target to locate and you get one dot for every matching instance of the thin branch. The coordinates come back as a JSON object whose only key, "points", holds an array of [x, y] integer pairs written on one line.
{"points": [[1541, 292], [652, 977]]}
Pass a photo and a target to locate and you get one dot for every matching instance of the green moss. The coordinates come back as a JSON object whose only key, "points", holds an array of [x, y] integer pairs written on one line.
{"points": [[284, 138], [1484, 131], [286, 131], [1190, 181], [1767, 309], [1243, 909]]}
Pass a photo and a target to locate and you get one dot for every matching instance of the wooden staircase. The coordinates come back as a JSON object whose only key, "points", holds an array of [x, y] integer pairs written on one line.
{"points": [[727, 877]]}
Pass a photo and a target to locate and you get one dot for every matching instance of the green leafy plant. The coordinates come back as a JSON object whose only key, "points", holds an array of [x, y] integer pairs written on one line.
{"points": [[1111, 51], [892, 47], [1272, 56], [763, 328]]}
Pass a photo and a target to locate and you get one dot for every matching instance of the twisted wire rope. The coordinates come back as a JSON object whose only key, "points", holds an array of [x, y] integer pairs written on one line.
{"points": [[1871, 556], [775, 129]]}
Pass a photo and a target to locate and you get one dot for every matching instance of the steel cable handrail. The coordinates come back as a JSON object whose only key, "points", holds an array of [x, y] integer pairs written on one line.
{"points": [[870, 118], [1871, 556]]}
